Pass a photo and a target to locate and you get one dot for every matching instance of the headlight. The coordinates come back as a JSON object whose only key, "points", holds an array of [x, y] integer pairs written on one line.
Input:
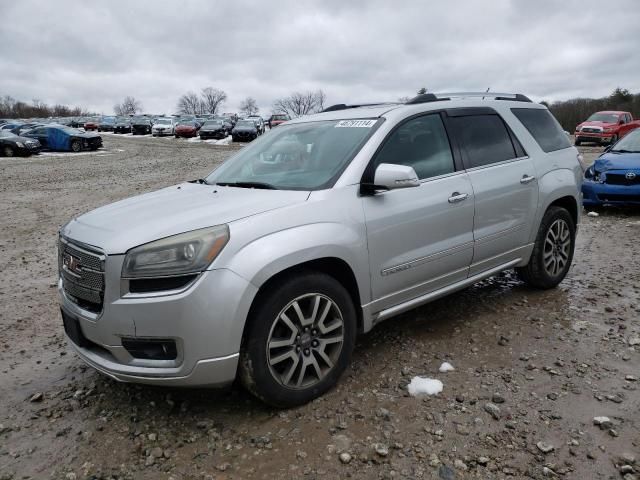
{"points": [[182, 254], [20, 144], [608, 130]]}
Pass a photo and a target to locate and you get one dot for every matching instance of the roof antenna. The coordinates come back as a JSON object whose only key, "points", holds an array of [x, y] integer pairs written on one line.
{"points": [[488, 88]]}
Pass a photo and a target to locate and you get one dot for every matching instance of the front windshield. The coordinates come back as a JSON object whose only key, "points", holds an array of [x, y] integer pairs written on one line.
{"points": [[6, 134], [163, 121], [303, 156], [280, 117], [603, 117], [214, 123], [629, 143], [187, 124], [245, 123]]}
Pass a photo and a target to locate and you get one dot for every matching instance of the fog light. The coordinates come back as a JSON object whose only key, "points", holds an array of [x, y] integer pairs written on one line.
{"points": [[147, 349]]}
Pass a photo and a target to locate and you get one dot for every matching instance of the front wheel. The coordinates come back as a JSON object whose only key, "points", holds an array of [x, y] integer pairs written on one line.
{"points": [[76, 146], [553, 250], [8, 151], [298, 340]]}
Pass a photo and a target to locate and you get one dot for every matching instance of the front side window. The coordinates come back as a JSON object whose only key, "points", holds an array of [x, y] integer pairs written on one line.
{"points": [[303, 156], [543, 127], [484, 138], [421, 143]]}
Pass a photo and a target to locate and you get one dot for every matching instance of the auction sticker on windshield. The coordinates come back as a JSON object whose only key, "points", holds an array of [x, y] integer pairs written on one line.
{"points": [[356, 123]]}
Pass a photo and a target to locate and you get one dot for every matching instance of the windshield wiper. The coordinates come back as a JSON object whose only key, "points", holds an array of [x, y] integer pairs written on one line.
{"points": [[622, 150], [264, 186]]}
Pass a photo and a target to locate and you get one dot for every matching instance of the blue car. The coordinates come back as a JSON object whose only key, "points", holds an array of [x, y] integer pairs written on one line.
{"points": [[614, 178]]}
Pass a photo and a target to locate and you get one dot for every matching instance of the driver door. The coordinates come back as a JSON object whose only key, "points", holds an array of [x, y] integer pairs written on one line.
{"points": [[420, 239]]}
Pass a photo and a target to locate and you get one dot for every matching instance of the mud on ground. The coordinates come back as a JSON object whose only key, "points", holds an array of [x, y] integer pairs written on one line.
{"points": [[532, 368]]}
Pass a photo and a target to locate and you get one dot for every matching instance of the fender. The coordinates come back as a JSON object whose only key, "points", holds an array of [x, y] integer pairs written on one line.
{"points": [[269, 255], [553, 185]]}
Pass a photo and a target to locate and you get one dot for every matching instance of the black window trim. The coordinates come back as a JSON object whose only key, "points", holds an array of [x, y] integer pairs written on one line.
{"points": [[518, 148], [369, 171]]}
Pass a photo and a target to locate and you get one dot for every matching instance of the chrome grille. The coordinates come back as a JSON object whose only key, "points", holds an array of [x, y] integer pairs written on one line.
{"points": [[82, 273]]}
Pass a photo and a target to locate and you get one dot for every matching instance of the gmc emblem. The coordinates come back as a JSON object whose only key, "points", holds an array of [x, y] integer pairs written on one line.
{"points": [[71, 263]]}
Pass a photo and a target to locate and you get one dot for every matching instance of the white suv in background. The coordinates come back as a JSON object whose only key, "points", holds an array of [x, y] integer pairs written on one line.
{"points": [[163, 126], [268, 268]]}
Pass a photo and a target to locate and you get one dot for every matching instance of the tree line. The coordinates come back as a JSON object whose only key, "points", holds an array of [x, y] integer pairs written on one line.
{"points": [[210, 100], [12, 108]]}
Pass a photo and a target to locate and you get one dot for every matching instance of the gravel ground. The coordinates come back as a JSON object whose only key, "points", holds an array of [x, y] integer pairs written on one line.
{"points": [[533, 371]]}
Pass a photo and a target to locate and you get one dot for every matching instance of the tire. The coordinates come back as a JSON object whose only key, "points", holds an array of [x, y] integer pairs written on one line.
{"points": [[577, 143], [552, 252], [8, 151], [614, 139], [309, 362], [76, 146]]}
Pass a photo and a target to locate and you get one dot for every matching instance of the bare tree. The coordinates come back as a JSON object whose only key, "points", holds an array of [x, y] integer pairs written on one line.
{"points": [[129, 106], [212, 99], [301, 103], [249, 106], [189, 103]]}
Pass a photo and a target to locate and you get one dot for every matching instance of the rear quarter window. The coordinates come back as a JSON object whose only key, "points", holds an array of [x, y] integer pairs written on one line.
{"points": [[543, 127]]}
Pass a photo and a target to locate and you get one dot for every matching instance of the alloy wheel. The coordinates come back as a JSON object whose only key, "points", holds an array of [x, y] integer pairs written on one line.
{"points": [[557, 248], [305, 341]]}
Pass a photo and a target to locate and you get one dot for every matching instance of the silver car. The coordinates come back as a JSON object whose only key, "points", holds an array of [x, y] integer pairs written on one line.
{"points": [[269, 268]]}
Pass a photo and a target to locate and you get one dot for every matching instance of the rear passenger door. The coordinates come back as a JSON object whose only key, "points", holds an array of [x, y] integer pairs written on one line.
{"points": [[419, 239], [504, 185]]}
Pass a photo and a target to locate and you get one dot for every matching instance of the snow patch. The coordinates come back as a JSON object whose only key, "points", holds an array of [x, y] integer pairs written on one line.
{"points": [[424, 386], [446, 367], [593, 214]]}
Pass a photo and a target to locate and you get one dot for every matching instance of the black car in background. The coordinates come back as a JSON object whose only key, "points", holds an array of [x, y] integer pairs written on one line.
{"points": [[122, 125], [106, 124], [216, 129], [141, 126], [12, 145], [61, 138], [244, 131]]}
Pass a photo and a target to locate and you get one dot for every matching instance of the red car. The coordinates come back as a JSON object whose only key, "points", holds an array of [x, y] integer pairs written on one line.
{"points": [[277, 119], [605, 127], [187, 129], [91, 124]]}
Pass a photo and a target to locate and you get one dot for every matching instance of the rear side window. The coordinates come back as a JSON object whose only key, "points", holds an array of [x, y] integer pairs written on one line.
{"points": [[543, 127], [484, 139]]}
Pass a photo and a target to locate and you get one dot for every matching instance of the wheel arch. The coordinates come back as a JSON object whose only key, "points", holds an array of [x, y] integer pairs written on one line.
{"points": [[334, 267]]}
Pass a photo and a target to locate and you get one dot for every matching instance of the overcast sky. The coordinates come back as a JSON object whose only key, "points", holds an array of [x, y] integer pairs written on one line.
{"points": [[92, 54]]}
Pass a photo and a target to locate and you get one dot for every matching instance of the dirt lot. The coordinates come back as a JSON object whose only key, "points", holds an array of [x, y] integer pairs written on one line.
{"points": [[532, 369]]}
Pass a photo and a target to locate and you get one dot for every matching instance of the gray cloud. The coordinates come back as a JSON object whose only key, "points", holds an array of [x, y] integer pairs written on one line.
{"points": [[91, 54]]}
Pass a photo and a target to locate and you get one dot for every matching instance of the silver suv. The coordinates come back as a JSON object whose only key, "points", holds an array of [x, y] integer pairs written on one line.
{"points": [[269, 268]]}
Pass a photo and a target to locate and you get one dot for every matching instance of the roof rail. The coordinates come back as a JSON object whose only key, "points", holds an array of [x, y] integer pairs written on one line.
{"points": [[517, 97], [436, 97], [343, 106]]}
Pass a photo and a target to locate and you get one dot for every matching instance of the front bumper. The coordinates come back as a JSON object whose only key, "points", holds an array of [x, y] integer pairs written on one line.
{"points": [[162, 133], [206, 327], [217, 135], [595, 194], [594, 137]]}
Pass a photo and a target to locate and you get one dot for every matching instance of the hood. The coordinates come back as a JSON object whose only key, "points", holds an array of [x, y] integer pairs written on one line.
{"points": [[212, 128], [245, 129], [185, 127], [120, 226], [617, 161]]}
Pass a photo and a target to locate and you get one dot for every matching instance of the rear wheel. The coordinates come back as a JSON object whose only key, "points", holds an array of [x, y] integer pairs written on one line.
{"points": [[553, 250], [76, 146], [298, 340], [7, 151]]}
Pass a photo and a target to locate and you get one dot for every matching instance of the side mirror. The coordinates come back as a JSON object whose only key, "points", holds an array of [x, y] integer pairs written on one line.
{"points": [[390, 176]]}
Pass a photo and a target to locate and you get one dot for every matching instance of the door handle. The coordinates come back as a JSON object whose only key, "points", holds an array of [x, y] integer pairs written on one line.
{"points": [[526, 179], [457, 197]]}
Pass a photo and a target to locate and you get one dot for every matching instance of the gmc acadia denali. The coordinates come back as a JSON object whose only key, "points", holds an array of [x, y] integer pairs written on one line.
{"points": [[267, 269]]}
